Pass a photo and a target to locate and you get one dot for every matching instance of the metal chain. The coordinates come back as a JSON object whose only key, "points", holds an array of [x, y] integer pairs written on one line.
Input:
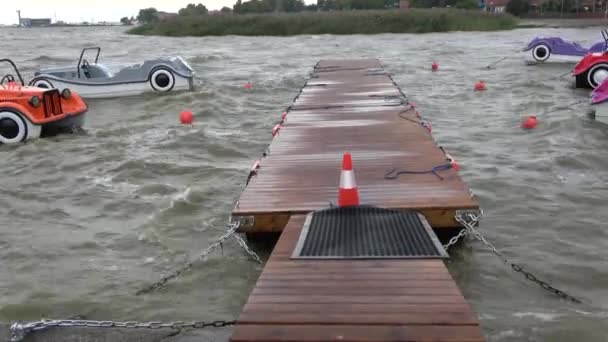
{"points": [[20, 330], [468, 220], [247, 249], [455, 239], [232, 227]]}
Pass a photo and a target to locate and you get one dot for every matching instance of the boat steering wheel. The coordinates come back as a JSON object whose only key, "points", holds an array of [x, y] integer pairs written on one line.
{"points": [[85, 68], [9, 78]]}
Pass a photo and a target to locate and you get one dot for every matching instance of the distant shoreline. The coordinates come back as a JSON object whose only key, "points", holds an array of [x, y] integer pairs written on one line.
{"points": [[339, 22], [67, 25], [172, 28], [562, 23]]}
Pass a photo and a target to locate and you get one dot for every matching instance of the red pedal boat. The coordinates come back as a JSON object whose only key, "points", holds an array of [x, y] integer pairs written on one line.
{"points": [[593, 68]]}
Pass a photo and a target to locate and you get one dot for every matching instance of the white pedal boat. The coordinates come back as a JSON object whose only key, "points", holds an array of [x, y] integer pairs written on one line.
{"points": [[93, 80]]}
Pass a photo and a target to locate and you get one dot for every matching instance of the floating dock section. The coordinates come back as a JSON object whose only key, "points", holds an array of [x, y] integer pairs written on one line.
{"points": [[354, 106], [369, 273]]}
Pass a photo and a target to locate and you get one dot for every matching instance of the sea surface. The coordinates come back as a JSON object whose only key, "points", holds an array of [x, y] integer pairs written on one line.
{"points": [[87, 219]]}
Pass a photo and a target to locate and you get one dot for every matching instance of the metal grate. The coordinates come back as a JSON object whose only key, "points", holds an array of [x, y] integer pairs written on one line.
{"points": [[367, 233]]}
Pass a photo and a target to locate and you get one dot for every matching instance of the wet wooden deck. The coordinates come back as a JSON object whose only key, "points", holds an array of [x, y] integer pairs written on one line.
{"points": [[354, 106], [353, 300]]}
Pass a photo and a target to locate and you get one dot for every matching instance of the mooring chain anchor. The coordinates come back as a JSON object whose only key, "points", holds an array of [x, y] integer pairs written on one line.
{"points": [[473, 217], [468, 220], [20, 330]]}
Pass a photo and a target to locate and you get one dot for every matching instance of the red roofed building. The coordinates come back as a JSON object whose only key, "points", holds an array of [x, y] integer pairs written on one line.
{"points": [[496, 6]]}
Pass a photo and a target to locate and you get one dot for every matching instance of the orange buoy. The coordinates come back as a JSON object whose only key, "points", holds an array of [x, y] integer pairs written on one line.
{"points": [[480, 86], [186, 117], [530, 122], [434, 66]]}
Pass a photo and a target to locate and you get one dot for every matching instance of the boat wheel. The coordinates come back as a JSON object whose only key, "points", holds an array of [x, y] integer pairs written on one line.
{"points": [[541, 53], [12, 127], [42, 83], [162, 79], [597, 74]]}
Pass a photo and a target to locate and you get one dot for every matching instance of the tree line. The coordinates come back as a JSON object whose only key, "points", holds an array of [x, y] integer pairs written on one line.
{"points": [[151, 15]]}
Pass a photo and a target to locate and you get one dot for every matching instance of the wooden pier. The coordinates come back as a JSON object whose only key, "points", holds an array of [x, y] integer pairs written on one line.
{"points": [[352, 105], [354, 300]]}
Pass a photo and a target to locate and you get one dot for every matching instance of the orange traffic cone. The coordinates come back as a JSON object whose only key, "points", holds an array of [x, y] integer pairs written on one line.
{"points": [[348, 195]]}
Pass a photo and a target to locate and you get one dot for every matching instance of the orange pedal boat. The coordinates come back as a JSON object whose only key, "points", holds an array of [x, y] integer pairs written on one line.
{"points": [[29, 112]]}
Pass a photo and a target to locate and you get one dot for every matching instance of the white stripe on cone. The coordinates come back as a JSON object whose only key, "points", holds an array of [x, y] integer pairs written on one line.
{"points": [[347, 179]]}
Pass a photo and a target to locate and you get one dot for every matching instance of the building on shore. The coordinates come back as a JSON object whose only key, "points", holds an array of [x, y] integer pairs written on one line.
{"points": [[404, 5], [38, 22], [496, 6], [164, 16]]}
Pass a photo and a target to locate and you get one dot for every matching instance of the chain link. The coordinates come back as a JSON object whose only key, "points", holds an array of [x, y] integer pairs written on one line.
{"points": [[20, 330], [455, 239], [469, 220], [247, 249], [231, 232]]}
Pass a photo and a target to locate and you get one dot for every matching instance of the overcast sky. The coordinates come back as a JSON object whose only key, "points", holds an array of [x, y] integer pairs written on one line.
{"points": [[94, 10]]}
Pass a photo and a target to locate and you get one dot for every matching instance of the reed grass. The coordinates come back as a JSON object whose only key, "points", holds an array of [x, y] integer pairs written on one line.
{"points": [[343, 22]]}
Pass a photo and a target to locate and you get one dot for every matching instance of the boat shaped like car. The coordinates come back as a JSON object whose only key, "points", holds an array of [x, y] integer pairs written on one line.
{"points": [[592, 70], [599, 103], [557, 50], [29, 112], [94, 80]]}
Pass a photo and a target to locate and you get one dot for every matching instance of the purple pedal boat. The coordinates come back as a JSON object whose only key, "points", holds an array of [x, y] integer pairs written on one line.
{"points": [[599, 102], [557, 50]]}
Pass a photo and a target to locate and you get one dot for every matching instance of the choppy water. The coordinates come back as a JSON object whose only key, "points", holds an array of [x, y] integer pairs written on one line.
{"points": [[88, 219]]}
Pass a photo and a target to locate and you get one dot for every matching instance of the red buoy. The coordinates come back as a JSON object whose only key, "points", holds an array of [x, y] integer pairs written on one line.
{"points": [[453, 163], [249, 85], [186, 117], [530, 122], [276, 130], [434, 66], [480, 86]]}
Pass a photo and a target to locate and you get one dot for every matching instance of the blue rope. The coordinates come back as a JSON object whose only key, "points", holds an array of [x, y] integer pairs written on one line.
{"points": [[394, 174]]}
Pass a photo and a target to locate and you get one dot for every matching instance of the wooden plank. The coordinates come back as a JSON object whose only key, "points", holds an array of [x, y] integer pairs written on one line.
{"points": [[357, 270], [328, 318], [411, 284], [356, 333], [439, 219], [356, 291], [345, 299], [355, 277], [361, 264], [398, 308]]}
